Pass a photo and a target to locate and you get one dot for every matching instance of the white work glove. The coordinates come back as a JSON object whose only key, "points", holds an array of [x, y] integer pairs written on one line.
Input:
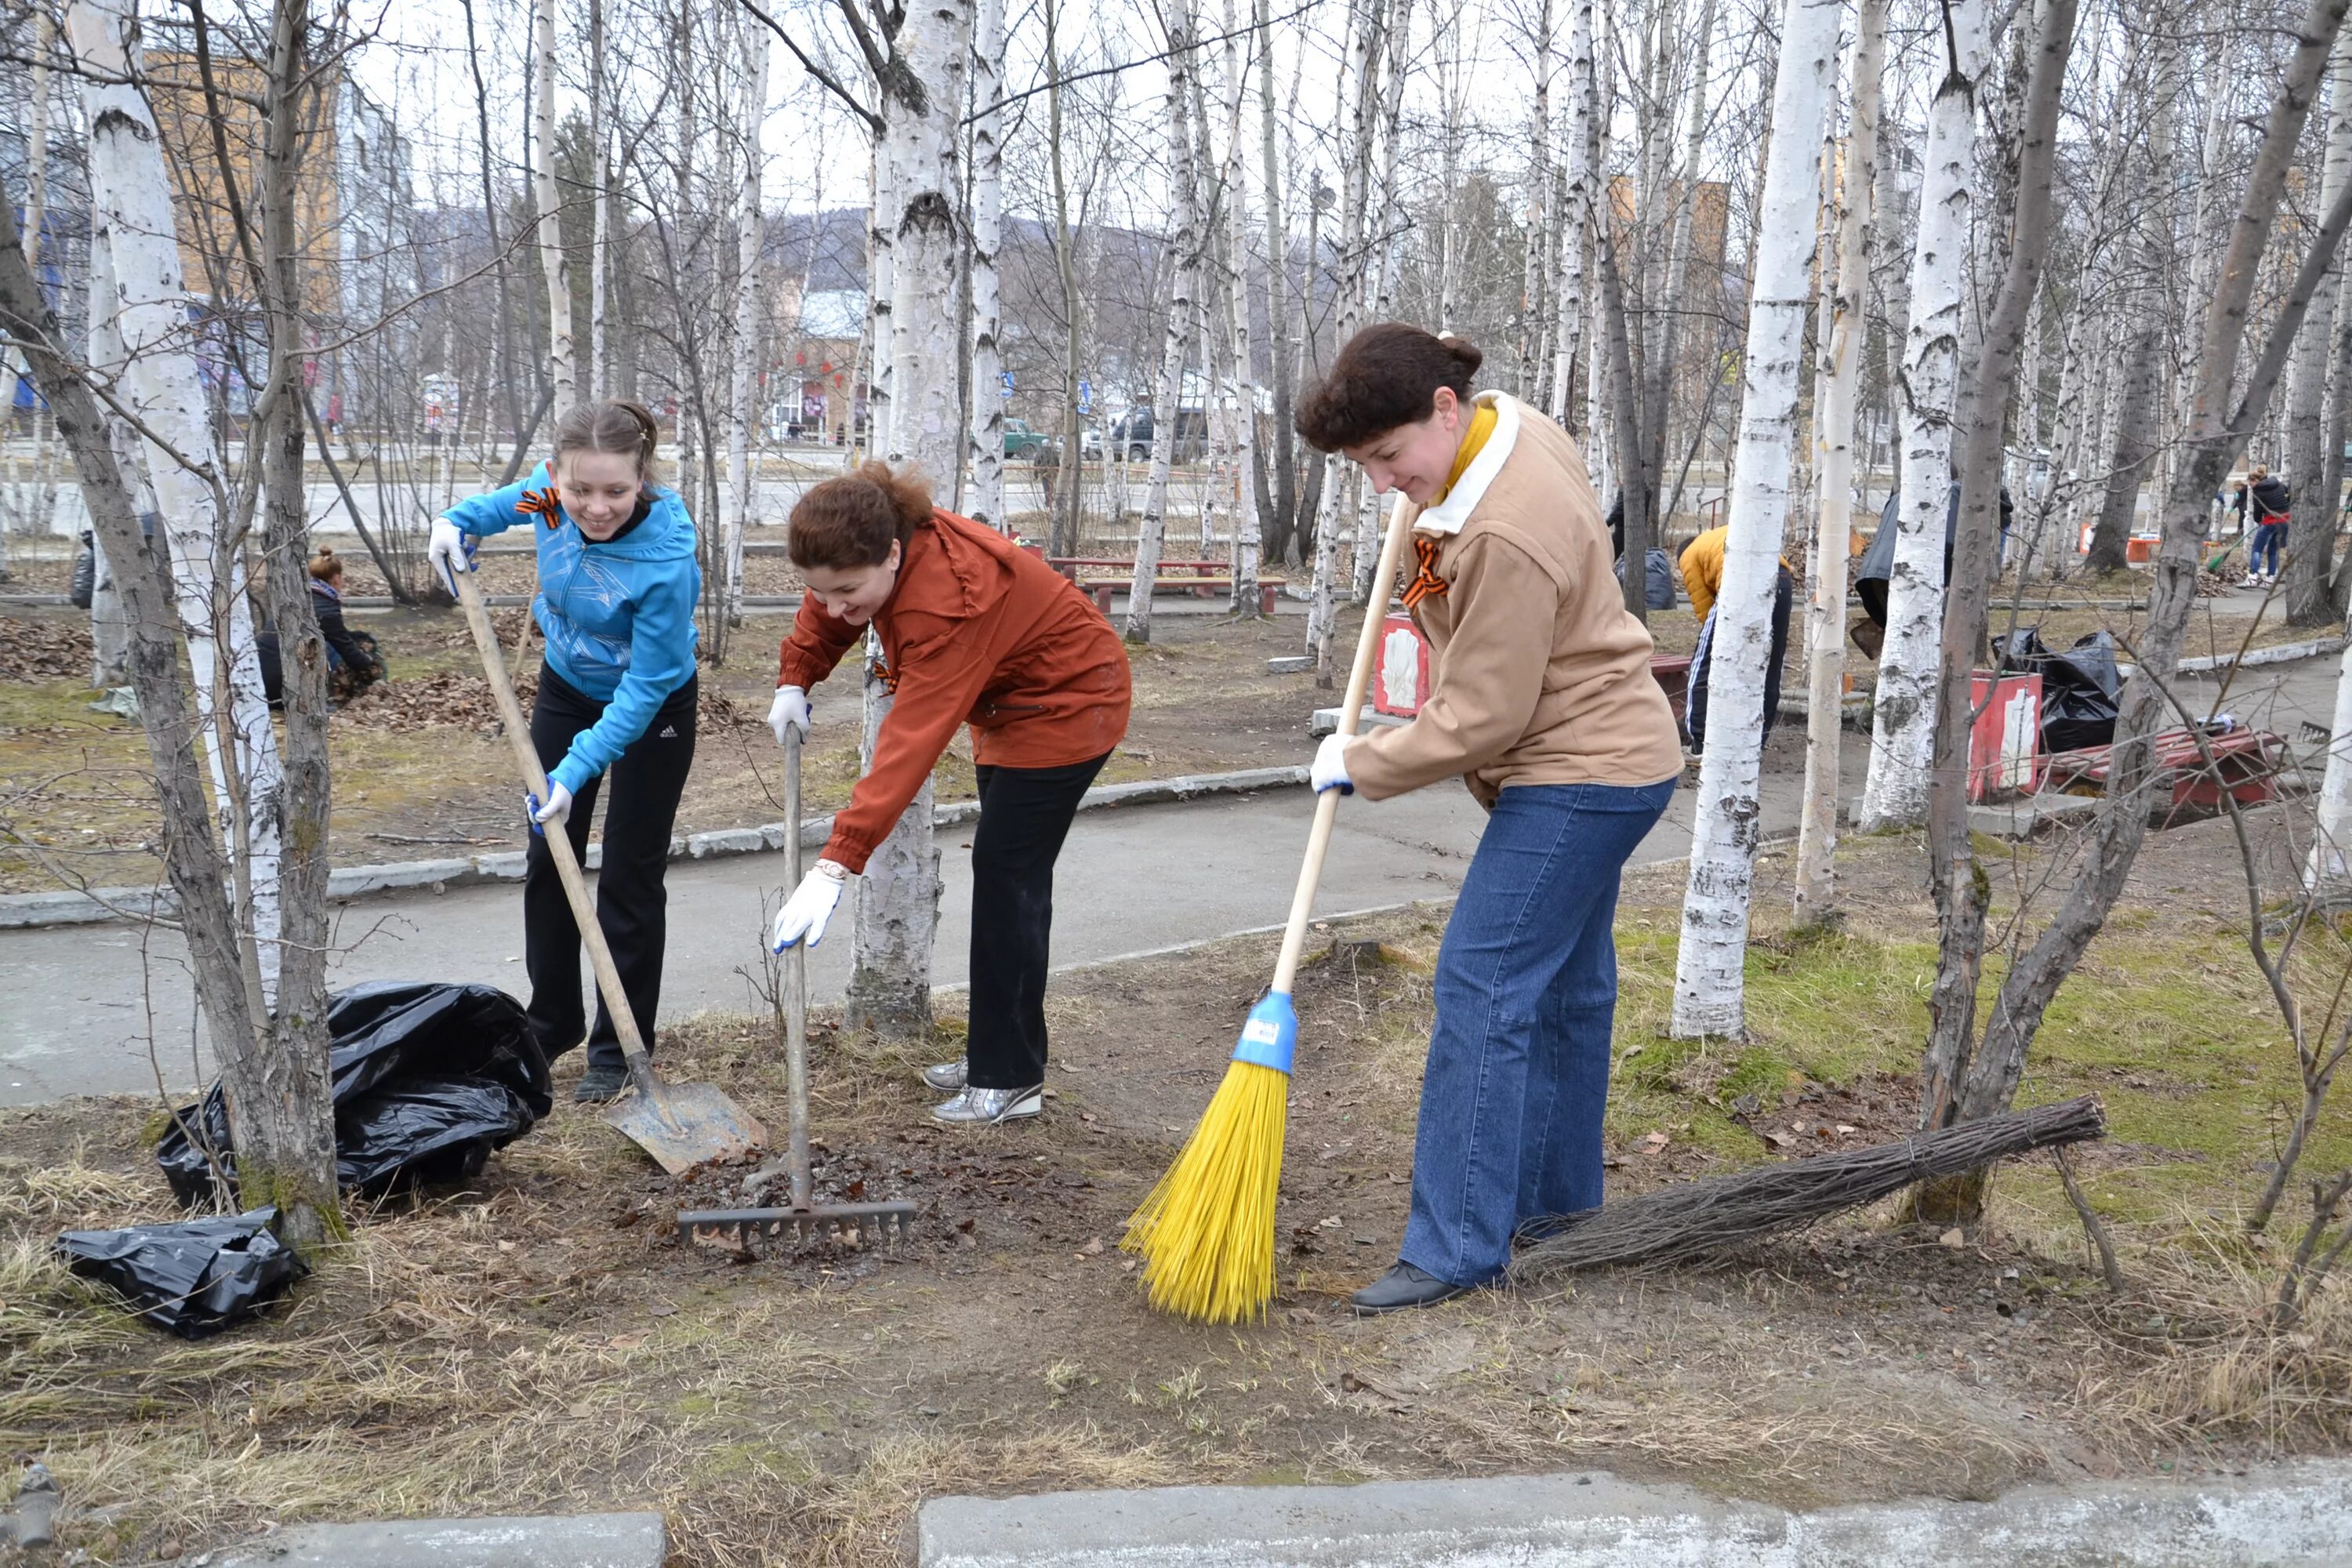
{"points": [[789, 710], [450, 550], [558, 807], [1330, 769], [804, 914]]}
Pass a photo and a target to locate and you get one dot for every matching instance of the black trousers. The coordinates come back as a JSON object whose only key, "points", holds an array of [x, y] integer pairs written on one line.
{"points": [[1694, 703], [1024, 815], [631, 905]]}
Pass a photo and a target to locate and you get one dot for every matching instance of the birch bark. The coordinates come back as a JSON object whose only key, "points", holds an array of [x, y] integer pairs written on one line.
{"points": [[1709, 995], [563, 356]]}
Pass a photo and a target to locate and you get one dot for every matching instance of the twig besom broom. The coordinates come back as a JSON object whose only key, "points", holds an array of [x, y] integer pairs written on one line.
{"points": [[1206, 1231]]}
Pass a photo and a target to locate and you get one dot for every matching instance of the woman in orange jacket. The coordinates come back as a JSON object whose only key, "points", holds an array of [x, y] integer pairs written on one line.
{"points": [[974, 630]]}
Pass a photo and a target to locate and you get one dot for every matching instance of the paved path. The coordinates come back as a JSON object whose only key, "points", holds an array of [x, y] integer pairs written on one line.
{"points": [[74, 1014]]}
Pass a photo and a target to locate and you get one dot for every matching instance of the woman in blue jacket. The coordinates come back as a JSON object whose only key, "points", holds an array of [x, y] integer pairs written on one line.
{"points": [[618, 586]]}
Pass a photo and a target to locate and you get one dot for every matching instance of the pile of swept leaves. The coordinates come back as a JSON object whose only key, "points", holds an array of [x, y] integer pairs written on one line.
{"points": [[43, 649]]}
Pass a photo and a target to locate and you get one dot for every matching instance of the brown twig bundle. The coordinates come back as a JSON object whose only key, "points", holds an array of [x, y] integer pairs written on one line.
{"points": [[1693, 1219]]}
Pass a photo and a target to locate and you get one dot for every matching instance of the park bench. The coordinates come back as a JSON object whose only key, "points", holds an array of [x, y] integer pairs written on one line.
{"points": [[1101, 589], [2245, 763], [1071, 566]]}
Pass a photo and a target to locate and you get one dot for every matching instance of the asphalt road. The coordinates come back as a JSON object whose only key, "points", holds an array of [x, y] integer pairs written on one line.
{"points": [[82, 1003]]}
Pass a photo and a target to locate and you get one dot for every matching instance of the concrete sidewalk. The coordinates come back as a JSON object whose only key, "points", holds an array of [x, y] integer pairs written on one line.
{"points": [[2284, 1516], [82, 1000]]}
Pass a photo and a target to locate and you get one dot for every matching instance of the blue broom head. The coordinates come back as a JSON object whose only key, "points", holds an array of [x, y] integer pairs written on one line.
{"points": [[1271, 1035]]}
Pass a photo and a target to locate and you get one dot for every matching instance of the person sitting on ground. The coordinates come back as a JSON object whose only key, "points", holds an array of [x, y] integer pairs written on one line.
{"points": [[1544, 705], [617, 587], [974, 630], [353, 665], [1702, 565]]}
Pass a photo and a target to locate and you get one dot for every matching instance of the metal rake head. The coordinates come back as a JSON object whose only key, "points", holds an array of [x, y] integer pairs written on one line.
{"points": [[849, 1225]]}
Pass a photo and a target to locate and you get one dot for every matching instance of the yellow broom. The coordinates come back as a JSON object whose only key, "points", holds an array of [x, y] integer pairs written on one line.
{"points": [[1206, 1232]]}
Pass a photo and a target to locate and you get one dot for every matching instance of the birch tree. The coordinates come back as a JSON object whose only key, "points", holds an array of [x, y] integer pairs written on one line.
{"points": [[1835, 378], [1232, 293], [563, 361], [1903, 707], [986, 504], [1576, 210], [743, 342], [1185, 243], [2311, 558], [1710, 992], [157, 381], [922, 80]]}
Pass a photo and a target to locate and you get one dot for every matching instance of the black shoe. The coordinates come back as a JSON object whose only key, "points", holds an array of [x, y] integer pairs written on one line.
{"points": [[599, 1084], [1401, 1287]]}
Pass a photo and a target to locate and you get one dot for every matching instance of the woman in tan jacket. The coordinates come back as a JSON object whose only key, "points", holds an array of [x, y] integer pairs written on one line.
{"points": [[1544, 705]]}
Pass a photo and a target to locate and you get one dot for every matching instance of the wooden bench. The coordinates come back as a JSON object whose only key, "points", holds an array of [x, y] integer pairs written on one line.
{"points": [[2245, 763], [1101, 589], [1071, 566]]}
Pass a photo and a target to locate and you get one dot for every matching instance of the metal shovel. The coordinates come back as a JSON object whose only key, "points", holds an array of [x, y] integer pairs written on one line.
{"points": [[805, 1219], [681, 1125]]}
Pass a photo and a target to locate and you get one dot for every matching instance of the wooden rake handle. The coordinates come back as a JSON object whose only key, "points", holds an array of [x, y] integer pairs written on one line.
{"points": [[1402, 513], [558, 839]]}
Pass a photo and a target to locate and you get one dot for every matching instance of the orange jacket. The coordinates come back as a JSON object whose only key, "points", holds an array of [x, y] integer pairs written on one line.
{"points": [[977, 631]]}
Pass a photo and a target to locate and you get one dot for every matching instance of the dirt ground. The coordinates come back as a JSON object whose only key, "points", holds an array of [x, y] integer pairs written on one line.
{"points": [[542, 1340], [421, 771]]}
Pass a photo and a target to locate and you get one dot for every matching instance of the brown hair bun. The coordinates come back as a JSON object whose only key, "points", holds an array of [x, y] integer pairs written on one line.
{"points": [[1386, 376], [853, 520]]}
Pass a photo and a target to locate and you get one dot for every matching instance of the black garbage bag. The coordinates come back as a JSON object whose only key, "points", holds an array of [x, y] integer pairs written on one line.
{"points": [[2080, 687], [1658, 579], [195, 1277], [427, 1081]]}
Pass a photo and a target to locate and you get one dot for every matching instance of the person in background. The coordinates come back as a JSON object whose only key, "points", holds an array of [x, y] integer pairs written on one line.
{"points": [[355, 661], [618, 586], [977, 631], [1702, 565], [1545, 707], [2263, 499]]}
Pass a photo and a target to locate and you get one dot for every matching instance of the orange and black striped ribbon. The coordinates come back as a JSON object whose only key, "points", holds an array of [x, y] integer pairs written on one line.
{"points": [[1425, 580], [541, 503]]}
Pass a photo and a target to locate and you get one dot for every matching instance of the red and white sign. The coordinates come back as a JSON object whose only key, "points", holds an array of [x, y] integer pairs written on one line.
{"points": [[2005, 741], [1401, 680]]}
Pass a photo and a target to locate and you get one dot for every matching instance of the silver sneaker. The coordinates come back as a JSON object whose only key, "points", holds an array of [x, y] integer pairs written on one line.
{"points": [[945, 1077], [987, 1106]]}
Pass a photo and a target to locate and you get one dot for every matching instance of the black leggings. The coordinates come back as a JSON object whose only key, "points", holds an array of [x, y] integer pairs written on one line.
{"points": [[1024, 815], [1695, 702], [632, 906]]}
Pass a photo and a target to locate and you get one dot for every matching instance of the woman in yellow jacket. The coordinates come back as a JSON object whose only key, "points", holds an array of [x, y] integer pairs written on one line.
{"points": [[1702, 566]]}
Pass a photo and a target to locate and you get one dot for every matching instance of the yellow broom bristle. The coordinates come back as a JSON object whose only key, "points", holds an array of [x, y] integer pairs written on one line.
{"points": [[1206, 1232]]}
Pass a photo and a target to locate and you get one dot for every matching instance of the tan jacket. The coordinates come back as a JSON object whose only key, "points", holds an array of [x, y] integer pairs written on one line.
{"points": [[1542, 676]]}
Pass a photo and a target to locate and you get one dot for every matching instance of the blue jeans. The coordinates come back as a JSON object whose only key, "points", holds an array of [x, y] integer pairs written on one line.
{"points": [[1526, 989], [2269, 539]]}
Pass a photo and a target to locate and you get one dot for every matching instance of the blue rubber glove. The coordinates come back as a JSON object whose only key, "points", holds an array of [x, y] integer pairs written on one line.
{"points": [[558, 807]]}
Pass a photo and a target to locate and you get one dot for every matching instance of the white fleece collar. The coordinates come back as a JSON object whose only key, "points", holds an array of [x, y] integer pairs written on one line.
{"points": [[1448, 515]]}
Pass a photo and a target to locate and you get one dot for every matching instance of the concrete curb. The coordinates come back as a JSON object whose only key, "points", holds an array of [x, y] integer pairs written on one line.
{"points": [[2279, 652], [2284, 1516], [582, 1540], [22, 910]]}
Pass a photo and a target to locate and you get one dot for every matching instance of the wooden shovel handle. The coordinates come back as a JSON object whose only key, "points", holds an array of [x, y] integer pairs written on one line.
{"points": [[1402, 513], [558, 839], [796, 984]]}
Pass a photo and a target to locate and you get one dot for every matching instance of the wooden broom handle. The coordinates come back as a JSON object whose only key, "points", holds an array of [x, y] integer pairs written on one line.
{"points": [[559, 841], [1402, 513]]}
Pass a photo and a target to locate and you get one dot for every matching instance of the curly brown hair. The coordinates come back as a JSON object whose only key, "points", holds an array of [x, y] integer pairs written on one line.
{"points": [[1387, 375]]}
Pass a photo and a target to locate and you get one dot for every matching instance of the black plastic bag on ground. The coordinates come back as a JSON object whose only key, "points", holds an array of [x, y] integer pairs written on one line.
{"points": [[194, 1277], [2080, 687], [427, 1081]]}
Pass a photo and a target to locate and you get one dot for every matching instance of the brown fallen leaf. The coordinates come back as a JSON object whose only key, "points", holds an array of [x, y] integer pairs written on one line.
{"points": [[1650, 1143], [1093, 1248], [625, 1341]]}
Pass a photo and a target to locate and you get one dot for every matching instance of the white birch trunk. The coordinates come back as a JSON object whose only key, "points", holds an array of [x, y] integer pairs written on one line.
{"points": [[1903, 717], [1836, 378], [743, 349], [110, 624], [898, 904], [882, 275], [562, 358], [1539, 197], [1576, 210], [1248, 526], [1378, 283], [37, 201], [600, 324], [2327, 870], [131, 218], [987, 440], [1185, 243], [1709, 995]]}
